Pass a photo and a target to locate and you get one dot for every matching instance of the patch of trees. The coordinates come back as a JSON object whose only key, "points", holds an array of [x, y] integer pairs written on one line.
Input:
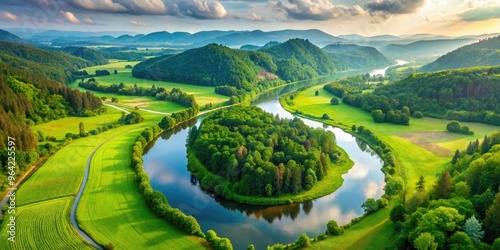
{"points": [[88, 54], [377, 145], [252, 153], [155, 200], [131, 118], [455, 127], [462, 210], [102, 72], [470, 94], [175, 95], [351, 56]]}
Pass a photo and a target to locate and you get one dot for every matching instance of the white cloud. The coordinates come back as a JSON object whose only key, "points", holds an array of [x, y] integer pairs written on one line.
{"points": [[149, 7], [316, 9], [255, 17], [99, 5], [137, 23], [69, 16], [202, 9], [88, 20], [4, 15]]}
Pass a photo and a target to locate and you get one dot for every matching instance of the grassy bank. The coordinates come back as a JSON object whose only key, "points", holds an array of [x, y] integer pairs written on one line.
{"points": [[422, 149], [328, 185]]}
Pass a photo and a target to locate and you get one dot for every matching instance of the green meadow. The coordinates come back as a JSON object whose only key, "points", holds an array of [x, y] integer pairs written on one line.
{"points": [[203, 94], [424, 148]]}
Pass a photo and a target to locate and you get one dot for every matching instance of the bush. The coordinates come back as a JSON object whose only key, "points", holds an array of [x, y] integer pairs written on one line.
{"points": [[303, 241], [333, 228], [370, 205], [398, 213], [334, 101], [326, 116], [418, 114]]}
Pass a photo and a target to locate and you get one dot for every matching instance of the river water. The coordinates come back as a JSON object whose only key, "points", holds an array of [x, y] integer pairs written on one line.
{"points": [[166, 164]]}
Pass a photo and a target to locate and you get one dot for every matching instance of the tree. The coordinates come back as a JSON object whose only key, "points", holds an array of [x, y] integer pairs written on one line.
{"points": [[103, 98], [462, 189], [334, 101], [251, 247], [378, 116], [460, 241], [333, 228], [496, 244], [116, 71], [316, 93], [453, 126], [442, 188], [303, 241], [420, 184], [425, 241], [398, 213], [492, 220], [325, 116], [405, 110], [114, 100], [473, 228], [456, 156], [82, 129], [394, 186], [370, 205]]}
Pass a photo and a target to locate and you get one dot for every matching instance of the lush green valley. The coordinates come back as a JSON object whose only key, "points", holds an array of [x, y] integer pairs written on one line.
{"points": [[351, 56]]}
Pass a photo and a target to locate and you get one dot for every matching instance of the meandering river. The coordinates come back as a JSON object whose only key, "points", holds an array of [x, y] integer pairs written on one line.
{"points": [[166, 164]]}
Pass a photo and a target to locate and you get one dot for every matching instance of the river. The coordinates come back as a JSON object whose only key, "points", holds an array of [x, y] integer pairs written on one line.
{"points": [[166, 164]]}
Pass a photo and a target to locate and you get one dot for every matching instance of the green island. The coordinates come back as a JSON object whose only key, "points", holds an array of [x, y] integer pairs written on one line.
{"points": [[250, 156]]}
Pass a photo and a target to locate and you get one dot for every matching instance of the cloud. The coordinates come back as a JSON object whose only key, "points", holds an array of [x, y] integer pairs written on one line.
{"points": [[4, 15], [388, 7], [137, 23], [201, 9], [69, 16], [150, 7], [88, 20], [481, 14], [255, 17], [315, 9], [99, 5]]}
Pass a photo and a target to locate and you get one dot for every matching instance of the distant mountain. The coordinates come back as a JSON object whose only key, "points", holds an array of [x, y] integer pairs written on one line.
{"points": [[356, 57], [423, 50], [255, 47], [483, 53], [50, 35], [162, 37], [9, 37], [211, 65], [299, 59]]}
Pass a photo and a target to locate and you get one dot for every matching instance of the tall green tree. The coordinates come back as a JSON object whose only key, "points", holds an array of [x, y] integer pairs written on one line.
{"points": [[492, 220], [443, 186], [420, 185], [425, 241], [473, 228], [82, 129]]}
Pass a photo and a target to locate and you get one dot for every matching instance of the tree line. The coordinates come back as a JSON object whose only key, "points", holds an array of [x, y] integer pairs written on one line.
{"points": [[175, 95], [252, 153]]}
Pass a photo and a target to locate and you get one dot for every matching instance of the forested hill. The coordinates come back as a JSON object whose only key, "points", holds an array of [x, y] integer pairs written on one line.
{"points": [[483, 53], [55, 65], [351, 56], [299, 59], [92, 55], [211, 65], [471, 94]]}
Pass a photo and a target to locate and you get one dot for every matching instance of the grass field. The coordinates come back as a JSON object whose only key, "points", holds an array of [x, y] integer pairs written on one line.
{"points": [[112, 210], [423, 148], [45, 199], [203, 94]]}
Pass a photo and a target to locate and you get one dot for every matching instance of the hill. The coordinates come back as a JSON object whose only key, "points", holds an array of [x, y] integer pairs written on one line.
{"points": [[483, 53], [356, 57], [423, 50], [299, 59], [88, 54], [9, 37], [211, 65]]}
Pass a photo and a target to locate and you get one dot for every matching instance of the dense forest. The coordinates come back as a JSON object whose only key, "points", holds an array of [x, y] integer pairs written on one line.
{"points": [[351, 56], [483, 53], [465, 95], [299, 59], [211, 65], [88, 54], [462, 210], [253, 153]]}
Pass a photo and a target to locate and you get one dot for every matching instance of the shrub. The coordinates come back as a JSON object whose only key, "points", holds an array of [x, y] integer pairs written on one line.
{"points": [[418, 114], [333, 228], [326, 116], [303, 241], [334, 101]]}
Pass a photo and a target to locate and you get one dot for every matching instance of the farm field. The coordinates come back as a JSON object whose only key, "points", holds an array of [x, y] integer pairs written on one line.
{"points": [[203, 94], [422, 149], [53, 186]]}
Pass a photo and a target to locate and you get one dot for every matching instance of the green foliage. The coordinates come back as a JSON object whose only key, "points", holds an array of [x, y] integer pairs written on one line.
{"points": [[132, 118], [94, 56], [420, 185], [351, 56], [370, 205], [492, 220], [394, 186], [257, 154], [316, 93], [378, 116], [485, 52], [454, 127], [398, 213], [251, 247], [425, 241], [496, 244], [333, 228], [219, 243], [443, 186], [82, 129], [460, 241], [303, 241], [473, 228], [334, 101]]}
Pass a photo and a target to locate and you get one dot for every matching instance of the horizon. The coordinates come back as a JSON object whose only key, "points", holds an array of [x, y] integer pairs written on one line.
{"points": [[366, 18]]}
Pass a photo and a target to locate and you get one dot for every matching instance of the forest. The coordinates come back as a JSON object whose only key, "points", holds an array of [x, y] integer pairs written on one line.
{"points": [[351, 56], [258, 154], [469, 94], [462, 210]]}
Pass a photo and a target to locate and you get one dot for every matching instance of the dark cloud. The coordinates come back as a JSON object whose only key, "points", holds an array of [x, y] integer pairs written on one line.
{"points": [[394, 6], [481, 14], [315, 9]]}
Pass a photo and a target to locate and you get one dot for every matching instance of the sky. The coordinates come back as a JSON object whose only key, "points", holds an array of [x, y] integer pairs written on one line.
{"points": [[336, 17]]}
